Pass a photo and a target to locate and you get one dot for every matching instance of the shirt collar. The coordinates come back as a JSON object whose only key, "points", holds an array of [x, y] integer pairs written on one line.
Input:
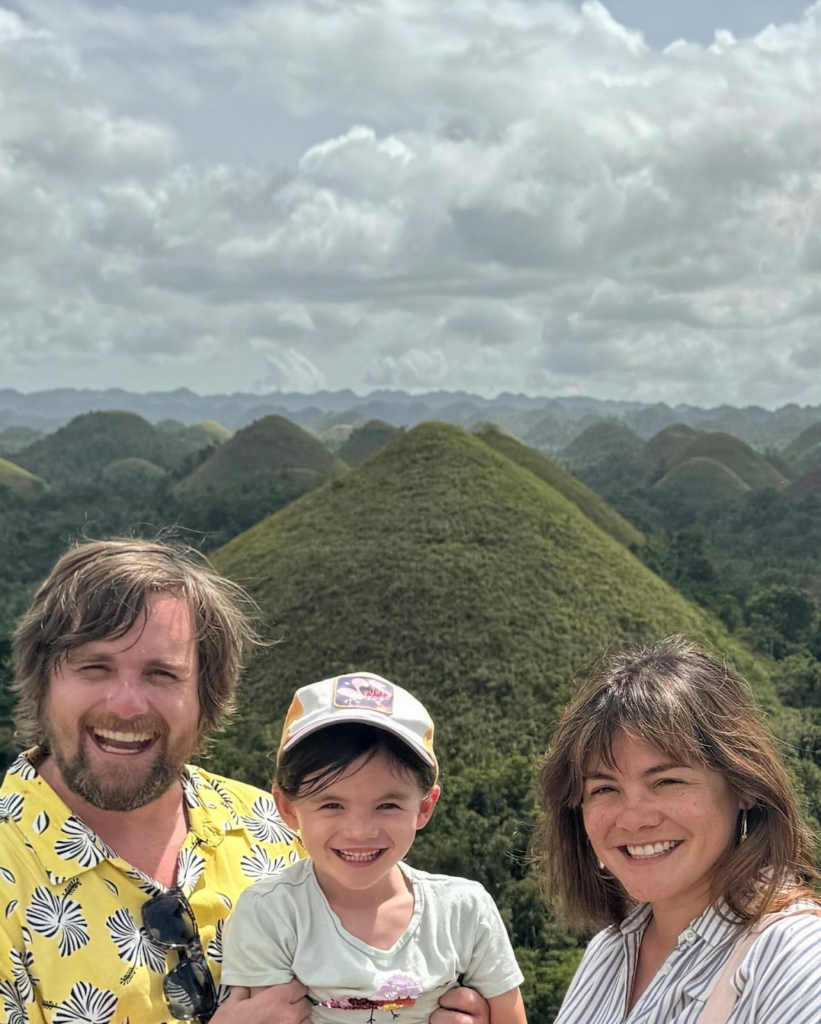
{"points": [[67, 847], [715, 925]]}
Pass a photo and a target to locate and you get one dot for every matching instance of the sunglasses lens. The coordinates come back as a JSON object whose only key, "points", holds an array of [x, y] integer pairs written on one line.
{"points": [[168, 919], [189, 991]]}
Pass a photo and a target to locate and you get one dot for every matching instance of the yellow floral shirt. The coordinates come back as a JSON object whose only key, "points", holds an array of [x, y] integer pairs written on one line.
{"points": [[72, 946]]}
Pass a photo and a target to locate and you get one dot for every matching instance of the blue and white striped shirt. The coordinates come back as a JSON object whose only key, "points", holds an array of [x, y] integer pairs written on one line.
{"points": [[779, 980]]}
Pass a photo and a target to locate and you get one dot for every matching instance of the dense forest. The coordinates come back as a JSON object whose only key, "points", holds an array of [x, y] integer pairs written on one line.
{"points": [[477, 570]]}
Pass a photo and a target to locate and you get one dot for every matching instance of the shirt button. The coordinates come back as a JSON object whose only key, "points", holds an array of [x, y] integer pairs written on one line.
{"points": [[688, 935], [665, 969]]}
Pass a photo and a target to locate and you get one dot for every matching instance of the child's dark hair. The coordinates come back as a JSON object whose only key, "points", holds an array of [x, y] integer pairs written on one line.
{"points": [[324, 756]]}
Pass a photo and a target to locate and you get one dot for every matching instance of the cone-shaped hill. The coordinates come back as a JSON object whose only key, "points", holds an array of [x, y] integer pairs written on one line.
{"points": [[591, 504], [806, 440], [365, 440], [19, 481], [664, 449], [273, 449], [600, 441], [756, 472], [446, 567], [82, 448], [702, 481]]}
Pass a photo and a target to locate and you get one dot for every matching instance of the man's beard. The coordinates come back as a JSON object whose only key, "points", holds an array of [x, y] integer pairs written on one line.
{"points": [[123, 789]]}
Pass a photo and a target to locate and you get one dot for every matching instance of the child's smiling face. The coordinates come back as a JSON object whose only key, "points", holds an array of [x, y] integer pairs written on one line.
{"points": [[361, 825]]}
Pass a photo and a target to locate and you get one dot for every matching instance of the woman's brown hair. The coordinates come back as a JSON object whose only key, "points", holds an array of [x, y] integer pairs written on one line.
{"points": [[688, 704]]}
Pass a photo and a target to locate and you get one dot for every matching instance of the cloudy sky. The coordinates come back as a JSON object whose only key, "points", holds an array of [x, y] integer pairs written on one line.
{"points": [[621, 200]]}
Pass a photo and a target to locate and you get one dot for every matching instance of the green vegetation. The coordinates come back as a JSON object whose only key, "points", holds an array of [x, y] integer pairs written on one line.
{"points": [[19, 481], [364, 441], [756, 472], [471, 569], [602, 440], [81, 449], [447, 567], [703, 481], [596, 510], [667, 447]]}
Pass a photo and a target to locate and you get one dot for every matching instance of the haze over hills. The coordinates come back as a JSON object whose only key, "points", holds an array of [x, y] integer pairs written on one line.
{"points": [[548, 422]]}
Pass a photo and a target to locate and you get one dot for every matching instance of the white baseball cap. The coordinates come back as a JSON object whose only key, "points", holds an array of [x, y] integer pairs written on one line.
{"points": [[359, 697]]}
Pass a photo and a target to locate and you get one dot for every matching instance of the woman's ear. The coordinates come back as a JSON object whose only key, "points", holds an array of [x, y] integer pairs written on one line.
{"points": [[426, 807], [286, 809]]}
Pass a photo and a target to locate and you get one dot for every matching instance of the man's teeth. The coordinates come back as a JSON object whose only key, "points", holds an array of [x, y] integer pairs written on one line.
{"points": [[123, 737], [358, 855], [652, 850]]}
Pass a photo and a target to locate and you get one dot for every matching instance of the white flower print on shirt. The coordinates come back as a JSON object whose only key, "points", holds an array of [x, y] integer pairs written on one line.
{"points": [[265, 824], [86, 1005], [22, 962], [134, 944], [214, 950], [13, 1003], [58, 916], [83, 845], [260, 864], [190, 866], [11, 806], [23, 767]]}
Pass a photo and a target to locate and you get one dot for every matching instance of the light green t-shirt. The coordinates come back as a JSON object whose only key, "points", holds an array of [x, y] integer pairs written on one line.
{"points": [[283, 928]]}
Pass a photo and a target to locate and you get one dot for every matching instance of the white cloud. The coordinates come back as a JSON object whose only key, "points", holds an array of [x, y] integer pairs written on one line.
{"points": [[528, 196]]}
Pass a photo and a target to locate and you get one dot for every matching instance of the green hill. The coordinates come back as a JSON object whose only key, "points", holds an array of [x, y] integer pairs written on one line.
{"points": [[804, 486], [82, 448], [133, 473], [664, 448], [591, 504], [445, 566], [601, 441], [756, 472], [702, 481], [806, 440], [442, 563], [365, 440], [19, 481], [271, 448]]}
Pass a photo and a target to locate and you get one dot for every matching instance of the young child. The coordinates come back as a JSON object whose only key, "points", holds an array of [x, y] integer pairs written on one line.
{"points": [[356, 775]]}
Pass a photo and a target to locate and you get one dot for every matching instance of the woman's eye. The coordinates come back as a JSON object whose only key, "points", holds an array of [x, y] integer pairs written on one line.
{"points": [[670, 782]]}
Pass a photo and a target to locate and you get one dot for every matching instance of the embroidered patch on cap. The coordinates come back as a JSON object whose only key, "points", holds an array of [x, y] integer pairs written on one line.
{"points": [[363, 692]]}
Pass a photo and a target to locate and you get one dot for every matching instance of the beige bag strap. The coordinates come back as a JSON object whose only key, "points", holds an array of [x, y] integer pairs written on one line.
{"points": [[722, 995]]}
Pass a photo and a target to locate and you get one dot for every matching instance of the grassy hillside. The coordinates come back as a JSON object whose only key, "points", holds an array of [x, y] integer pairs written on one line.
{"points": [[600, 441], [594, 507], [702, 481], [267, 448], [806, 440], [81, 449], [756, 472], [666, 447], [364, 441], [19, 481], [443, 565]]}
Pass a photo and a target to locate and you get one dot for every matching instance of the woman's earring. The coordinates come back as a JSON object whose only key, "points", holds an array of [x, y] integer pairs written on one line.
{"points": [[601, 865], [743, 825]]}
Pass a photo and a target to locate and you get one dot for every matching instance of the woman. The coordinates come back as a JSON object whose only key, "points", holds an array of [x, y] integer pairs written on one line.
{"points": [[670, 819]]}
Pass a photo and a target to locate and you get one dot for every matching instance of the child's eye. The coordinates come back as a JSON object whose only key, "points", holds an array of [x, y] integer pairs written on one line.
{"points": [[388, 807], [330, 806]]}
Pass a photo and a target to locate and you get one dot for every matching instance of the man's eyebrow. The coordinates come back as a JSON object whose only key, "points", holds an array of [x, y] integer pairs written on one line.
{"points": [[655, 769]]}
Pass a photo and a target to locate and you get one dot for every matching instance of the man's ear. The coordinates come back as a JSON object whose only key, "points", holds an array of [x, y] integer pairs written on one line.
{"points": [[286, 809], [426, 807]]}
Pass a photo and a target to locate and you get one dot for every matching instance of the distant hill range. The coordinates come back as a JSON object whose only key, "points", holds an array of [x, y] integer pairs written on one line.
{"points": [[544, 422]]}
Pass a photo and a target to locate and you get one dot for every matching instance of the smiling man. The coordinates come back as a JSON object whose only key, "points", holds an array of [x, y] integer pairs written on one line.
{"points": [[120, 861]]}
